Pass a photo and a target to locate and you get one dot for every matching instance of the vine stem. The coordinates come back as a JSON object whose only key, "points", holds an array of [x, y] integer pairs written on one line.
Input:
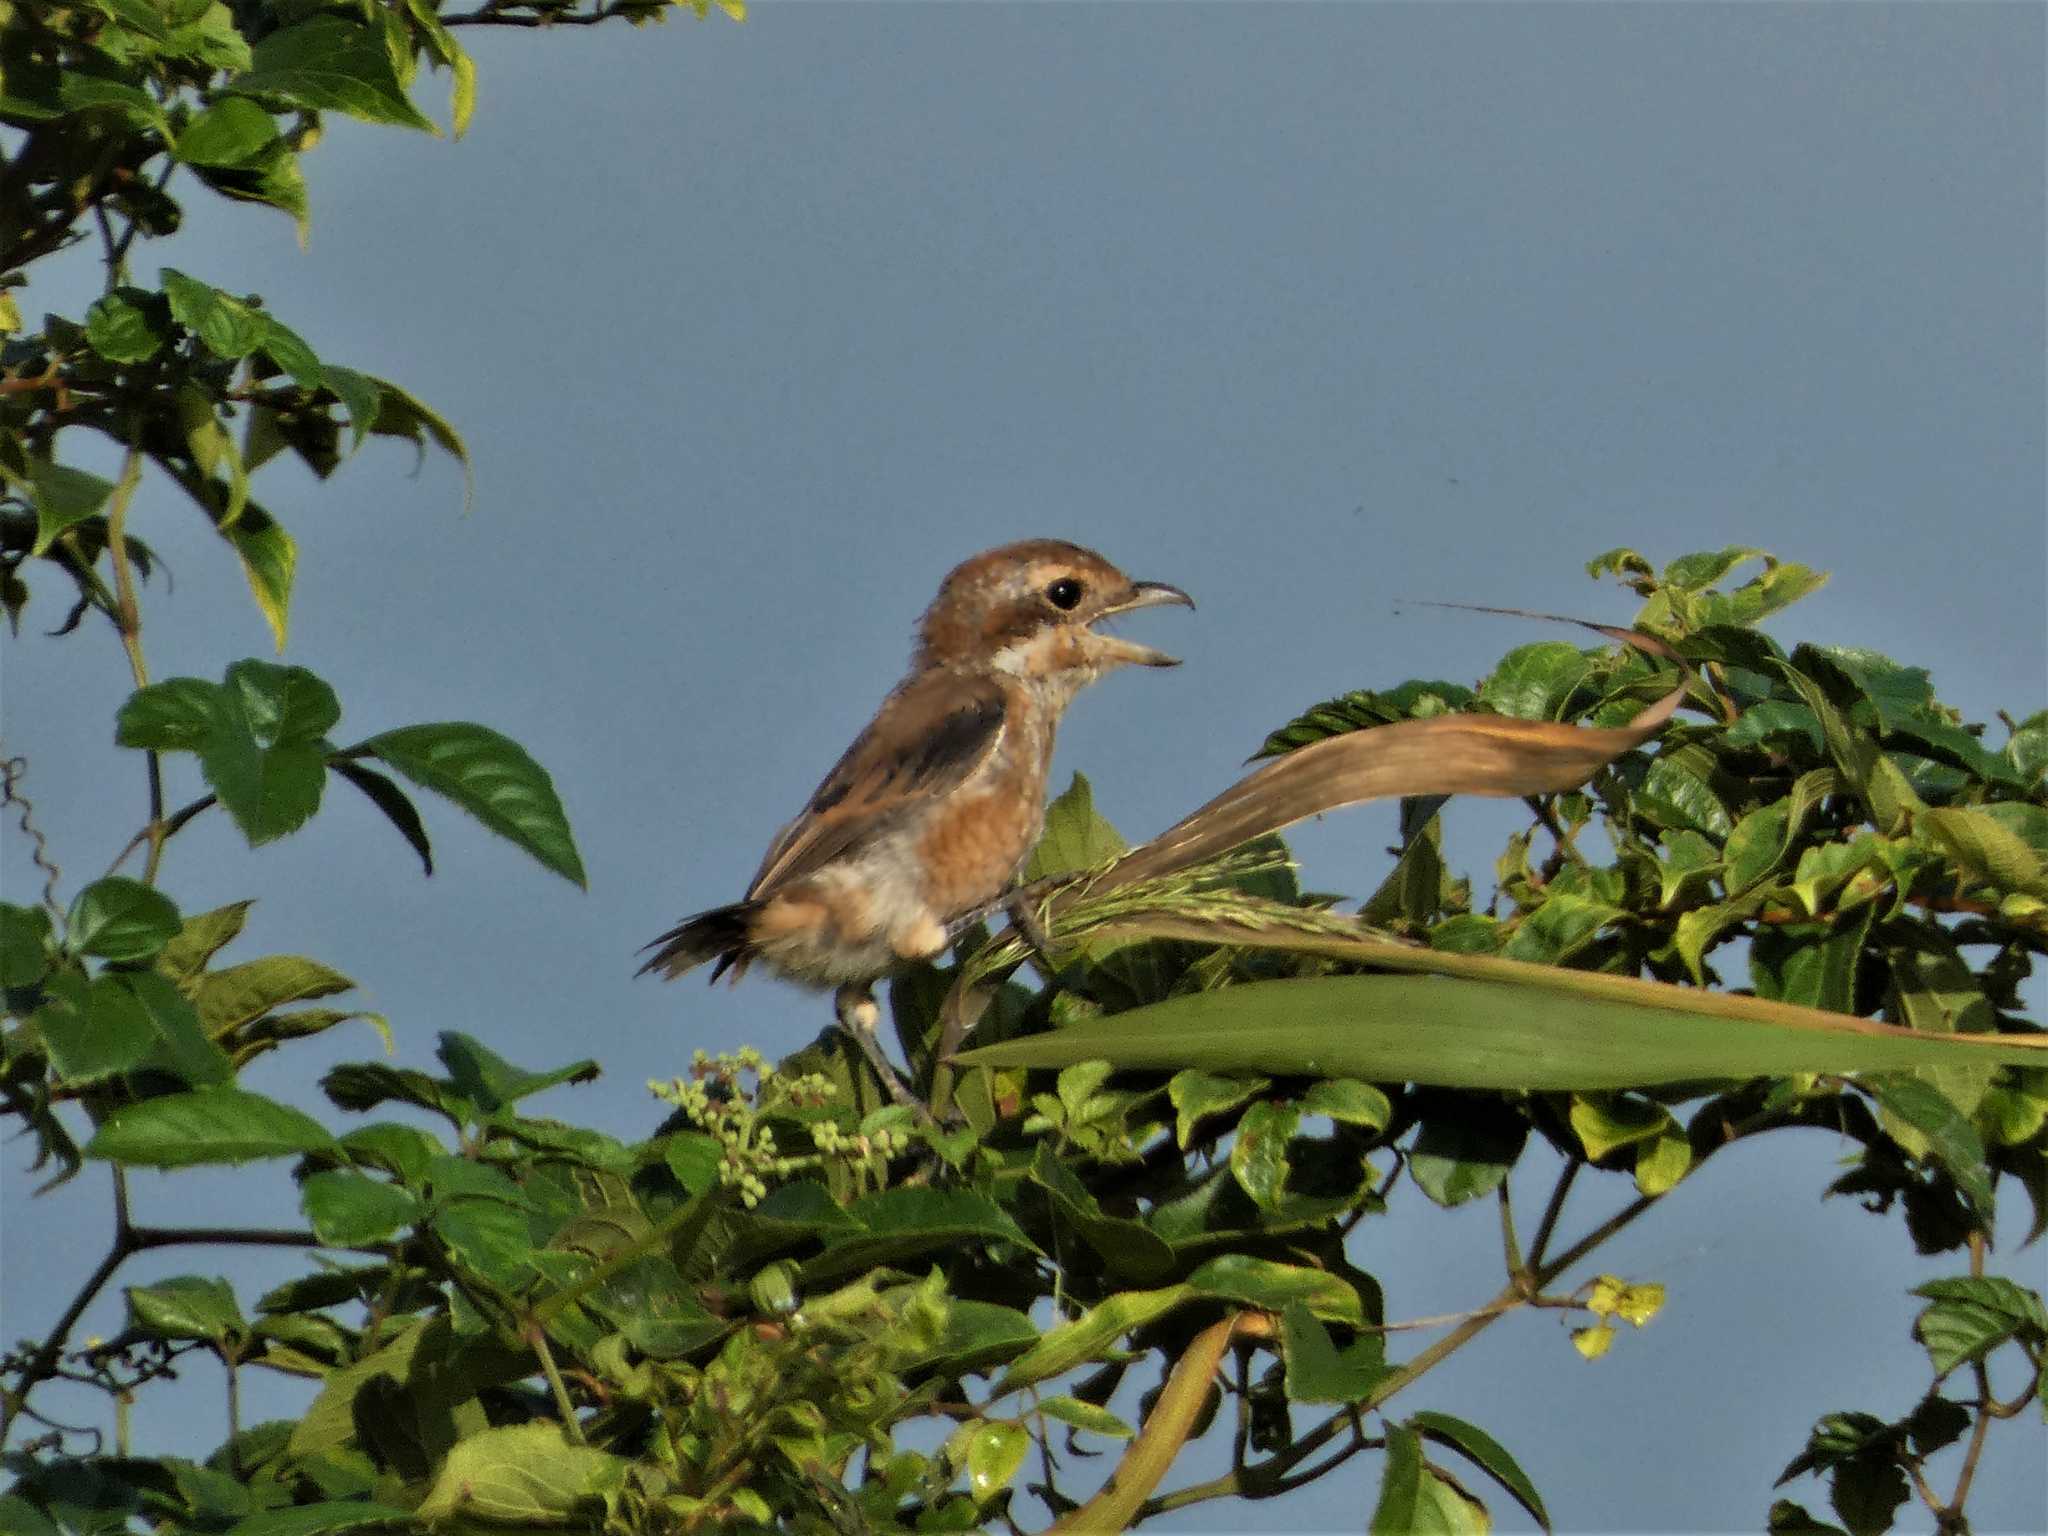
{"points": [[128, 621]]}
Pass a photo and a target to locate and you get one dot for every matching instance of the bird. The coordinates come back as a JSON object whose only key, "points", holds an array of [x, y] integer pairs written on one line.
{"points": [[925, 820]]}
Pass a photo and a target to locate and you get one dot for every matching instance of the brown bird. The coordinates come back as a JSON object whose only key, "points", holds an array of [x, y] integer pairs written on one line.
{"points": [[923, 823]]}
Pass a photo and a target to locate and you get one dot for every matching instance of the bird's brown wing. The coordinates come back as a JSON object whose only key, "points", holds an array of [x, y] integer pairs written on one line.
{"points": [[929, 736]]}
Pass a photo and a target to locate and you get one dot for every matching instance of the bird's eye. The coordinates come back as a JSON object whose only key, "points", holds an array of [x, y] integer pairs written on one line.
{"points": [[1064, 593]]}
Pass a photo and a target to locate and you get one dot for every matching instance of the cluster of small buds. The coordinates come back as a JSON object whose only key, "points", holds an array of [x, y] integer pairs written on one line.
{"points": [[714, 1100], [882, 1142], [734, 1174]]}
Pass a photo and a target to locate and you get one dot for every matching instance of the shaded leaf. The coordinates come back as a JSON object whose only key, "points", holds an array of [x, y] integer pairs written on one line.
{"points": [[491, 777], [396, 805]]}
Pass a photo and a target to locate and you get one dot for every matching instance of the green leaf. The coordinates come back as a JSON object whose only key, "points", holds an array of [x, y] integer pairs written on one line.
{"points": [[1076, 837], [360, 1085], [361, 398], [231, 132], [1349, 1102], [909, 1223], [1973, 1315], [994, 1453], [429, 1377], [1811, 964], [1534, 682], [1988, 848], [286, 348], [1952, 1141], [120, 919], [202, 937], [1779, 586], [241, 994], [1790, 1519], [979, 1334], [1132, 1251], [1362, 709], [1606, 1123], [525, 1474], [1088, 1336], [209, 1125], [265, 755], [402, 1150], [1258, 1158], [1464, 1149], [492, 1083], [1196, 1095], [93, 1030], [173, 716], [1264, 1283], [1775, 721], [1663, 1162], [1400, 1509], [461, 91], [348, 1210], [25, 944], [1691, 573], [1565, 924], [1072, 1411], [1756, 846], [331, 64], [126, 326], [62, 497], [1545, 1030], [182, 1048], [1317, 1371], [396, 805], [1866, 1491], [1676, 793], [270, 562], [319, 1519], [186, 1307], [403, 414], [229, 327], [1488, 1454], [492, 778]]}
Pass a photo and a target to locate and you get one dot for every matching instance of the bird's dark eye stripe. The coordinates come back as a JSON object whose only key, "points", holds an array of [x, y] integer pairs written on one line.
{"points": [[1064, 593]]}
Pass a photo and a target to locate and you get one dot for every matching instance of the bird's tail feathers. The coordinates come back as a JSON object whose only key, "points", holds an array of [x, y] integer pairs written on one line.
{"points": [[719, 934]]}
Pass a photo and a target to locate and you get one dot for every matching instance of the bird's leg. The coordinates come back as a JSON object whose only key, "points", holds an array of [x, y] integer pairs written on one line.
{"points": [[860, 1016], [1024, 918]]}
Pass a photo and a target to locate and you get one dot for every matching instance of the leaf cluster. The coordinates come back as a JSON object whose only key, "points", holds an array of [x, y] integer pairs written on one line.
{"points": [[1125, 1215]]}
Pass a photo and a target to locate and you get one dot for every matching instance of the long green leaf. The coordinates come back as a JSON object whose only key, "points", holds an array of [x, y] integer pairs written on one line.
{"points": [[1490, 1034]]}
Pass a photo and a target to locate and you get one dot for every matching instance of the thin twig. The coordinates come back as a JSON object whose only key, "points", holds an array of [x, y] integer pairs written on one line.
{"points": [[1950, 1517], [1551, 1212]]}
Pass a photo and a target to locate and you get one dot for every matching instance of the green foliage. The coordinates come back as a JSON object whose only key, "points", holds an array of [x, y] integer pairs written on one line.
{"points": [[738, 1321], [1154, 1156]]}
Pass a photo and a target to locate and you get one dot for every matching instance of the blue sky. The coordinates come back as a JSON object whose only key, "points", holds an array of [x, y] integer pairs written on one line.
{"points": [[754, 331]]}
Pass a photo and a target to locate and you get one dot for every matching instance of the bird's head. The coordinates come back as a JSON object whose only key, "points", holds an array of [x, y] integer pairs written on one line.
{"points": [[1029, 609]]}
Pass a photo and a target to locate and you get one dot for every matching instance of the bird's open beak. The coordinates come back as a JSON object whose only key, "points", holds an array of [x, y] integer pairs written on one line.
{"points": [[1144, 594]]}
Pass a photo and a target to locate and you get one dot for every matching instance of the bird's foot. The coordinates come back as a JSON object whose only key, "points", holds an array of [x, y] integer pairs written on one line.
{"points": [[1023, 917], [861, 1016]]}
